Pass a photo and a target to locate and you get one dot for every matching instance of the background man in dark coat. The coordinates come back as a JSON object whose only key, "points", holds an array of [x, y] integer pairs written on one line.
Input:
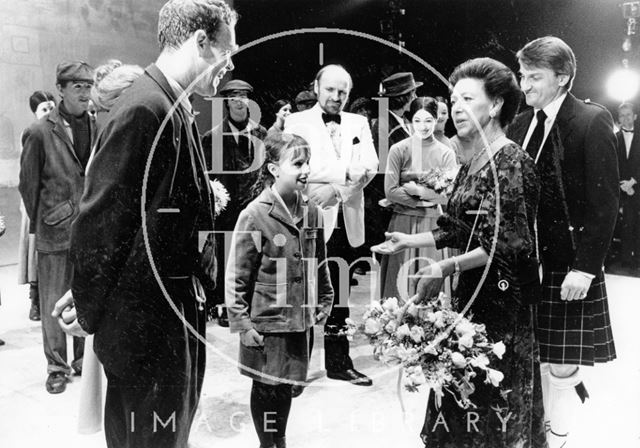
{"points": [[573, 144], [241, 138], [629, 168], [52, 166], [136, 242]]}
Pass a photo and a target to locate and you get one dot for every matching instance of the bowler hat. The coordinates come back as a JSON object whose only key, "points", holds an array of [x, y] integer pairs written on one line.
{"points": [[236, 85], [398, 84], [74, 71]]}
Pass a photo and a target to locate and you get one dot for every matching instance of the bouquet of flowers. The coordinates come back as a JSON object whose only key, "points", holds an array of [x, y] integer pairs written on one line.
{"points": [[221, 196], [438, 180], [434, 345]]}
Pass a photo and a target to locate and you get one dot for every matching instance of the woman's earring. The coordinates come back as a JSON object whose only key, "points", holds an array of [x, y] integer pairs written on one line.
{"points": [[492, 114]]}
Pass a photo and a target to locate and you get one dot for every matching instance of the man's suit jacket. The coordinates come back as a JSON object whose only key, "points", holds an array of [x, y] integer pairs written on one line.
{"points": [[356, 148], [583, 137], [629, 167], [51, 180], [148, 158]]}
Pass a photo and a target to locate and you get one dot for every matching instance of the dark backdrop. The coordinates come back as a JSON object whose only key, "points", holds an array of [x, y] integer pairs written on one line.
{"points": [[442, 32]]}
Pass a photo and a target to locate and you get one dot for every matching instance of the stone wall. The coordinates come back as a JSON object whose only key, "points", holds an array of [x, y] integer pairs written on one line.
{"points": [[35, 35]]}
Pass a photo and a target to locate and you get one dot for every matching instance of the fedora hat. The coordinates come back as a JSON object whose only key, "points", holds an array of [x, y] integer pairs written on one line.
{"points": [[398, 84]]}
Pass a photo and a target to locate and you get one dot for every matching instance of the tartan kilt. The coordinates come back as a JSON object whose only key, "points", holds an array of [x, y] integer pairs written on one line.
{"points": [[576, 332]]}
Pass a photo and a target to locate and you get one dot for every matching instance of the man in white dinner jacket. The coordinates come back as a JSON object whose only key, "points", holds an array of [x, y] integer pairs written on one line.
{"points": [[343, 160]]}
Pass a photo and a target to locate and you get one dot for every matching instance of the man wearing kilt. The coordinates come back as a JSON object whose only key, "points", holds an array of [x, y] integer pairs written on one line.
{"points": [[573, 144]]}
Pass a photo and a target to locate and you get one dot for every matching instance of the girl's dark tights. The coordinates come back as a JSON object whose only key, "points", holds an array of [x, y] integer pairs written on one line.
{"points": [[270, 406]]}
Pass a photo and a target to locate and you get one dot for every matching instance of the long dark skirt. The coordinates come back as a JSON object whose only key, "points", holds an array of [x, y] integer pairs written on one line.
{"points": [[511, 416]]}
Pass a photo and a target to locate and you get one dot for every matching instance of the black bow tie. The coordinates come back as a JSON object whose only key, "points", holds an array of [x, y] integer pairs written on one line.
{"points": [[327, 118], [627, 130]]}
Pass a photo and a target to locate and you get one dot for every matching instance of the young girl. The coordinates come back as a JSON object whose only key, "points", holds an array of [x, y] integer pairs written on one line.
{"points": [[277, 284]]}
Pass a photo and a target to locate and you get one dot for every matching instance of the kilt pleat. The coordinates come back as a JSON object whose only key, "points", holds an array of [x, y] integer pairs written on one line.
{"points": [[576, 332]]}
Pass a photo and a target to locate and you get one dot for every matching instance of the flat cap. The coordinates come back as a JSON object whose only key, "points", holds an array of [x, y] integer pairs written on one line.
{"points": [[74, 71], [236, 85], [306, 96]]}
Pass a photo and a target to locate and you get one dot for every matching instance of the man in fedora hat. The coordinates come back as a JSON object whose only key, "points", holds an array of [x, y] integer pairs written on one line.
{"points": [[52, 166], [239, 135], [305, 100], [397, 92]]}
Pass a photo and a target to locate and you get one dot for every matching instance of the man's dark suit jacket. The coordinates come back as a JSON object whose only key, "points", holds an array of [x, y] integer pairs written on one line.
{"points": [[148, 158], [583, 138], [51, 180], [629, 166]]}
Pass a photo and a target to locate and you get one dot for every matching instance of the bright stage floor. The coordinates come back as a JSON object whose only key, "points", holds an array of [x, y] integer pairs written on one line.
{"points": [[328, 414]]}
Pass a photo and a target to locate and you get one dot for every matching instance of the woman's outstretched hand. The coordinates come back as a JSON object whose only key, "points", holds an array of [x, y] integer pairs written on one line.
{"points": [[396, 242]]}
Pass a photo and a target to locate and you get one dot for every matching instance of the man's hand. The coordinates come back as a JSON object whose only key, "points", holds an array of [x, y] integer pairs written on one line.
{"points": [[324, 196], [65, 311], [321, 318], [356, 173], [251, 338], [575, 286]]}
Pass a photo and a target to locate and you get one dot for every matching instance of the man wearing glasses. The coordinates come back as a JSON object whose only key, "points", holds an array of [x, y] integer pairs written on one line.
{"points": [[54, 158]]}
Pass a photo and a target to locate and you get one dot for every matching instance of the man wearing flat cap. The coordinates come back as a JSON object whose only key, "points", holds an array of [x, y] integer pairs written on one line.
{"points": [[52, 169], [239, 135]]}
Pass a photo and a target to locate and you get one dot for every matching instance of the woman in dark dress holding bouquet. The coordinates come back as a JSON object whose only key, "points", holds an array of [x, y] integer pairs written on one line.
{"points": [[490, 219]]}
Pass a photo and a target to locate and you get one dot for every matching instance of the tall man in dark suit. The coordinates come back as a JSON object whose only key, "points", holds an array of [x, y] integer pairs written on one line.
{"points": [[629, 168], [135, 242], [573, 144], [52, 166]]}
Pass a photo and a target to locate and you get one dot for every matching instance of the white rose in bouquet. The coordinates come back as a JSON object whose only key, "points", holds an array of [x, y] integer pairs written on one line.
{"points": [[417, 333], [403, 331], [458, 360], [371, 326], [391, 326], [495, 377], [390, 305], [499, 349]]}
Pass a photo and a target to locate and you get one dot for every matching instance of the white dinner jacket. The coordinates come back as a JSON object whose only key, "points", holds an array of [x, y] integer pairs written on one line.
{"points": [[356, 148]]}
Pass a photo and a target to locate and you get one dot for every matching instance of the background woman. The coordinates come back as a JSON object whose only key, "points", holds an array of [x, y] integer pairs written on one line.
{"points": [[408, 159], [282, 109], [512, 415], [41, 103]]}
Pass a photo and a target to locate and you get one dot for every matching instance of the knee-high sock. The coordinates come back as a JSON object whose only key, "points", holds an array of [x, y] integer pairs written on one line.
{"points": [[270, 406], [565, 404], [545, 376]]}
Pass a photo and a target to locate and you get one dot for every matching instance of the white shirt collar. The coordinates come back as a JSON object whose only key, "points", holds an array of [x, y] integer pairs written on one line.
{"points": [[551, 110]]}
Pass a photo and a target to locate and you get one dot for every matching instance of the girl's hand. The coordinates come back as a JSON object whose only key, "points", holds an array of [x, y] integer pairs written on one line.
{"points": [[396, 242], [251, 338]]}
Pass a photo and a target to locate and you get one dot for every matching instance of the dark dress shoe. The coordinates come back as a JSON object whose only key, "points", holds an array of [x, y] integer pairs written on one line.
{"points": [[34, 312], [351, 375], [1, 342], [223, 319], [56, 382]]}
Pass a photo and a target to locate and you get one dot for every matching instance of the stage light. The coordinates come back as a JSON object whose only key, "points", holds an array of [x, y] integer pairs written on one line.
{"points": [[623, 84]]}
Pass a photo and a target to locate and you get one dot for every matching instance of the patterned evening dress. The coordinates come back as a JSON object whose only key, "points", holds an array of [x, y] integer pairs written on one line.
{"points": [[510, 416]]}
